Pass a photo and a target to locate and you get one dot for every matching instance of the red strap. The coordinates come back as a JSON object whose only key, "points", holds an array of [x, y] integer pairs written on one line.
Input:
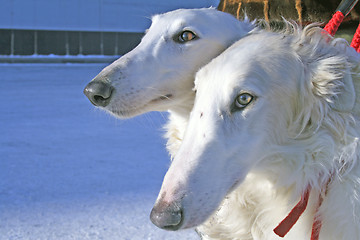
{"points": [[317, 223], [344, 8], [334, 23], [316, 227], [355, 43], [284, 227]]}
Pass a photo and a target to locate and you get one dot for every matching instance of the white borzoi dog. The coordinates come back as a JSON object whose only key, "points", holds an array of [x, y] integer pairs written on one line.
{"points": [[158, 75], [275, 120]]}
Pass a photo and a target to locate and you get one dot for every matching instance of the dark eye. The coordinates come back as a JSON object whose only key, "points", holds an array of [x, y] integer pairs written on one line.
{"points": [[185, 36], [243, 100]]}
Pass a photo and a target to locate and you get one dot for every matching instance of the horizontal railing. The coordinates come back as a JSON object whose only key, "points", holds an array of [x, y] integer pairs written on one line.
{"points": [[66, 43]]}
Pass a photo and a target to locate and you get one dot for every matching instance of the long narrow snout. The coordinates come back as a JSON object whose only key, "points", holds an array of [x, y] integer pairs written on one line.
{"points": [[188, 196], [167, 216], [99, 92], [206, 168]]}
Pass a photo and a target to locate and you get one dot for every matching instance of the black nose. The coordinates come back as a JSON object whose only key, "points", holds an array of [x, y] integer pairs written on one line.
{"points": [[99, 93], [167, 216]]}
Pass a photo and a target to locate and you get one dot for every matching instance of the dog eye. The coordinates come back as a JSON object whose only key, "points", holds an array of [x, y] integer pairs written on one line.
{"points": [[243, 100], [185, 36]]}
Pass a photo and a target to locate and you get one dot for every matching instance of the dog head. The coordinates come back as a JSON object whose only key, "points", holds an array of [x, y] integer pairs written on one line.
{"points": [[159, 73], [268, 91]]}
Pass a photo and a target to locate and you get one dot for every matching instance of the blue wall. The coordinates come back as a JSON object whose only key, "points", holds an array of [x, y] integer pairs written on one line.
{"points": [[88, 15]]}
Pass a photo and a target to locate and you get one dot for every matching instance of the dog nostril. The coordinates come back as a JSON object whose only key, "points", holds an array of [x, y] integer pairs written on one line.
{"points": [[99, 98], [99, 93], [167, 216]]}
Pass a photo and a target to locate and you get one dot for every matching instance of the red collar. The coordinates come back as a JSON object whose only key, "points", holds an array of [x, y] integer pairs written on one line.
{"points": [[285, 225]]}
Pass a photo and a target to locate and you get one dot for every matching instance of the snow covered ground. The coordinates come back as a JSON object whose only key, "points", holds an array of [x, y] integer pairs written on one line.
{"points": [[69, 171]]}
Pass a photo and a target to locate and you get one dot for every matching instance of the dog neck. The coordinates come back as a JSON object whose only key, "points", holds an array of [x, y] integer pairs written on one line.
{"points": [[177, 123]]}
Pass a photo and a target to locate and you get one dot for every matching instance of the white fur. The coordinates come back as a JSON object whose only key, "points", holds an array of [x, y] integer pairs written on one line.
{"points": [[239, 172], [158, 75]]}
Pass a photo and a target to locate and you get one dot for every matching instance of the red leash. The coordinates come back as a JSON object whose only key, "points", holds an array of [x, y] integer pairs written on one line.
{"points": [[355, 43], [334, 23], [341, 12]]}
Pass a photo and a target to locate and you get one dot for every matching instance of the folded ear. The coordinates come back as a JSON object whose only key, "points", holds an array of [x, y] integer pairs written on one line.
{"points": [[356, 82], [333, 81], [344, 100]]}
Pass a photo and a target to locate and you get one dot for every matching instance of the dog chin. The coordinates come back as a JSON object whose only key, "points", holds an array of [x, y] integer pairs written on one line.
{"points": [[124, 114], [157, 104], [192, 223]]}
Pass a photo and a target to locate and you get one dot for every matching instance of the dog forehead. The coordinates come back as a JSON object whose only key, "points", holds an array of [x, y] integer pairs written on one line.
{"points": [[195, 19], [161, 24], [251, 64], [233, 67], [181, 16]]}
